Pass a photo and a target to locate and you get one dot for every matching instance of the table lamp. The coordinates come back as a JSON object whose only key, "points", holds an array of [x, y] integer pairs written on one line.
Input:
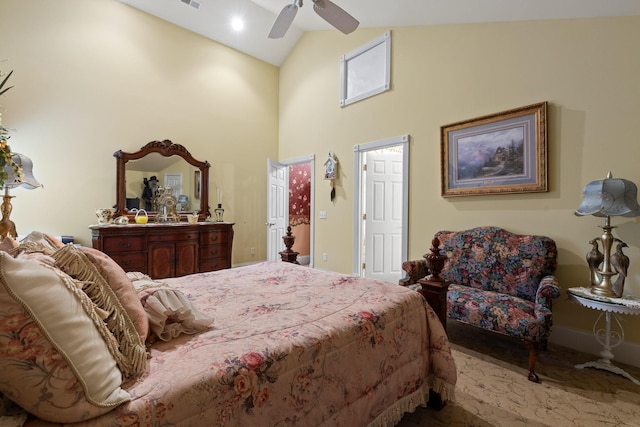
{"points": [[23, 178], [606, 198]]}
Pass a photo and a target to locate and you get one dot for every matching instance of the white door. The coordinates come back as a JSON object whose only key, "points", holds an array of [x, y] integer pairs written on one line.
{"points": [[383, 214], [277, 208], [374, 243]]}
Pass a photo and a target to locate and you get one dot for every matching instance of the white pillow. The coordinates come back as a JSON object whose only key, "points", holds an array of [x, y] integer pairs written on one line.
{"points": [[169, 311], [60, 369]]}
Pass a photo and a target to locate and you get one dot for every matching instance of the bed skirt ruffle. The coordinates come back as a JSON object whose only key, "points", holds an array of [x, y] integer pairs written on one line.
{"points": [[408, 404]]}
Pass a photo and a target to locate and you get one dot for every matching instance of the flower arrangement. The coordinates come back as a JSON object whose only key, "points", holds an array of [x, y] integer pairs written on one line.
{"points": [[6, 156]]}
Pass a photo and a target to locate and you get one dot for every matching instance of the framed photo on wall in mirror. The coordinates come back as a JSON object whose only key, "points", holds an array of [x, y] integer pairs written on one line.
{"points": [[501, 153], [197, 180]]}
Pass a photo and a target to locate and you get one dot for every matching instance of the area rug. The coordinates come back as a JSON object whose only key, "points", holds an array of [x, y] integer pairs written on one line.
{"points": [[493, 389]]}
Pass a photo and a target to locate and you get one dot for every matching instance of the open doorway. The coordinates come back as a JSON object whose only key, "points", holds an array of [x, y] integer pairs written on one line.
{"points": [[381, 208], [290, 203]]}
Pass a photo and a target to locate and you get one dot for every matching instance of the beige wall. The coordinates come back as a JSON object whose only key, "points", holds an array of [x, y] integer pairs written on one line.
{"points": [[586, 69], [94, 77]]}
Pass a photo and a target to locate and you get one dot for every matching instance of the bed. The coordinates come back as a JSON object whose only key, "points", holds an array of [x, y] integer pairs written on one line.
{"points": [[284, 345]]}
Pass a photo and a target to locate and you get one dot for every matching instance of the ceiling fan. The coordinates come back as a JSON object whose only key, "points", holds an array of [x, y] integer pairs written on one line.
{"points": [[329, 11]]}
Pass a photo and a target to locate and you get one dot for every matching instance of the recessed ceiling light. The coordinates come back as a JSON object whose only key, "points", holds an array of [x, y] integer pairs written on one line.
{"points": [[237, 24]]}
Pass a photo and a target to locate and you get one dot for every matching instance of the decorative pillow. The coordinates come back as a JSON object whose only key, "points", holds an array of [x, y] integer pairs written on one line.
{"points": [[52, 240], [29, 248], [56, 354], [36, 256], [37, 241], [76, 264], [36, 245], [169, 310], [118, 280], [8, 243]]}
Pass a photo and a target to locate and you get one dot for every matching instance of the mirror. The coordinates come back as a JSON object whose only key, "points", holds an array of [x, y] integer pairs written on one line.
{"points": [[170, 165]]}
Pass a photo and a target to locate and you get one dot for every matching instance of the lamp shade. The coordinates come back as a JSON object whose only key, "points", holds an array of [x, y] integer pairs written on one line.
{"points": [[28, 181], [610, 197]]}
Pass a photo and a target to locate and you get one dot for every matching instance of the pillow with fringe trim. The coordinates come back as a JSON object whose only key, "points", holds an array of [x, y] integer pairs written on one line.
{"points": [[118, 280], [29, 248], [56, 354], [132, 353], [40, 242]]}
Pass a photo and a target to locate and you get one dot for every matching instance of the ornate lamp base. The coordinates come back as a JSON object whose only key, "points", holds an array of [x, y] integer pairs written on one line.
{"points": [[605, 265]]}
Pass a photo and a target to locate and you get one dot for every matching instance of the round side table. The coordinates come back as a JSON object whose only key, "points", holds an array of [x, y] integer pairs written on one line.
{"points": [[607, 337]]}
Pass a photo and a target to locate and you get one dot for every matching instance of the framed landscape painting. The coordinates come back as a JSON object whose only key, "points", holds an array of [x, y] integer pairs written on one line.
{"points": [[502, 153]]}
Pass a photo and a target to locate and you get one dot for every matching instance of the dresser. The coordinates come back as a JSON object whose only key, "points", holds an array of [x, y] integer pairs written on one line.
{"points": [[166, 249]]}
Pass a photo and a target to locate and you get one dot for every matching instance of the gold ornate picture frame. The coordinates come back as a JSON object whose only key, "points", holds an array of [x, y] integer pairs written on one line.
{"points": [[501, 153]]}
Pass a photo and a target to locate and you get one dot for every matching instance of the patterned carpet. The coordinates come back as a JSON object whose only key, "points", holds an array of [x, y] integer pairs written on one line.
{"points": [[493, 389]]}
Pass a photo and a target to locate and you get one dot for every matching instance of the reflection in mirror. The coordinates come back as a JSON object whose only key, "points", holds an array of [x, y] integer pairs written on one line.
{"points": [[145, 176], [141, 176]]}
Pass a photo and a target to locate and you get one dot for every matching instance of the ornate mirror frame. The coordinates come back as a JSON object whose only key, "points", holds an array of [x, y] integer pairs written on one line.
{"points": [[167, 149]]}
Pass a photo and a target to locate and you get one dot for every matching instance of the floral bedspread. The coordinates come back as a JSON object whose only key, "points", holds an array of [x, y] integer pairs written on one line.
{"points": [[292, 345]]}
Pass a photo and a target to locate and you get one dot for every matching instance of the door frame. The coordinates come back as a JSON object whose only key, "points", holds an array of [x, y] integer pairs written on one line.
{"points": [[290, 162], [358, 209]]}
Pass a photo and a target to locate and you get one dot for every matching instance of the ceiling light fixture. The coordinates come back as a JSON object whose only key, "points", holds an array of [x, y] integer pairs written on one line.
{"points": [[237, 24]]}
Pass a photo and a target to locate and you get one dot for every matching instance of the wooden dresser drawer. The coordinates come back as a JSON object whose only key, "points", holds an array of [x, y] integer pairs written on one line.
{"points": [[172, 237], [166, 250], [214, 237], [214, 264], [213, 251], [131, 261], [113, 244]]}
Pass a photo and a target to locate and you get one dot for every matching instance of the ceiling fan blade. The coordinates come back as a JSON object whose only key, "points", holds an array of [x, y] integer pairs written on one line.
{"points": [[283, 21], [335, 15]]}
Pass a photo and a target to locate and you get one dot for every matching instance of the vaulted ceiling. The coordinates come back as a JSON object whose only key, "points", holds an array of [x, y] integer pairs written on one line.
{"points": [[212, 18]]}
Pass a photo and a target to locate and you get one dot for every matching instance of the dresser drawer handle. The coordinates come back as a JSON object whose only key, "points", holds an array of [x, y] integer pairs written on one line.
{"points": [[125, 244], [214, 238], [213, 252]]}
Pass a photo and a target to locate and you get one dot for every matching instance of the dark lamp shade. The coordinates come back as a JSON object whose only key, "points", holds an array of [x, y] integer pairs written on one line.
{"points": [[28, 181], [610, 197]]}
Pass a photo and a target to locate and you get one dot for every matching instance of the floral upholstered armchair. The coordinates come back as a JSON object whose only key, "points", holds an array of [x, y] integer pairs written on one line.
{"points": [[499, 281]]}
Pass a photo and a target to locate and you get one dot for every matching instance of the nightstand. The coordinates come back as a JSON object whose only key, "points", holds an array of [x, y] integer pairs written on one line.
{"points": [[607, 337]]}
